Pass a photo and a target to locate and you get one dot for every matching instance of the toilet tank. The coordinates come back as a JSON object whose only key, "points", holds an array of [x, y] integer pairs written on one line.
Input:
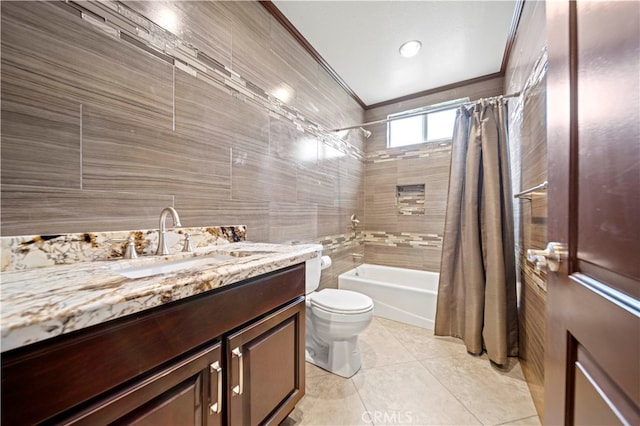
{"points": [[312, 272]]}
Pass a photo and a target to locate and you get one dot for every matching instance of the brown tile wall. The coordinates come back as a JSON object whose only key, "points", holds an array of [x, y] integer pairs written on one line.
{"points": [[528, 143], [99, 133], [426, 164]]}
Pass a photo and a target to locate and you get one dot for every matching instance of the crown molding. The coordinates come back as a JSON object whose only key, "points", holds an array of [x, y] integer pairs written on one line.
{"points": [[279, 16]]}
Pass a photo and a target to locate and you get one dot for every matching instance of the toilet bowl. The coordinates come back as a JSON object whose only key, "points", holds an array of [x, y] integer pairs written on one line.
{"points": [[334, 319]]}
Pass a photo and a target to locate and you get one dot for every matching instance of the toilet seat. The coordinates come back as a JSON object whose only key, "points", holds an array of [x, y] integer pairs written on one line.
{"points": [[341, 301]]}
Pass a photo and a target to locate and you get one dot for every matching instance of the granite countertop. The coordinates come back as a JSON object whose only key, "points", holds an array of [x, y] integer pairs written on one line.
{"points": [[41, 303]]}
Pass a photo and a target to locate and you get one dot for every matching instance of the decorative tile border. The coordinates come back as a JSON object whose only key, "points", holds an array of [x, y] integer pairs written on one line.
{"points": [[402, 239], [332, 244], [424, 150], [118, 21], [411, 205], [410, 199], [335, 243], [34, 251]]}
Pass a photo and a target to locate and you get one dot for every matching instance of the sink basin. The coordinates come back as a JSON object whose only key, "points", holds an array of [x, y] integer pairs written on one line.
{"points": [[149, 270]]}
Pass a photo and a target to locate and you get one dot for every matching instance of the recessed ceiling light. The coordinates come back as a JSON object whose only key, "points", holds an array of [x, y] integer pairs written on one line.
{"points": [[410, 48]]}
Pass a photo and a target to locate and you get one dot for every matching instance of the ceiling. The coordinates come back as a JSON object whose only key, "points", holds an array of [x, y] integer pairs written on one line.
{"points": [[359, 40]]}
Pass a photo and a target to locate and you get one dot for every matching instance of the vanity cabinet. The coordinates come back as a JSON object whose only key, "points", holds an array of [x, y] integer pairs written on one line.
{"points": [[234, 355]]}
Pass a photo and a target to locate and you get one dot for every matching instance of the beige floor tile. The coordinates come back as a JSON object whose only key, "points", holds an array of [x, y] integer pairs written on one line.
{"points": [[379, 347], [329, 400], [447, 386], [313, 371], [529, 421], [409, 394], [494, 396], [421, 343]]}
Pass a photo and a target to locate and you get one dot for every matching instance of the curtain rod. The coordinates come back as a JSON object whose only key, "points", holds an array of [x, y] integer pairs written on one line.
{"points": [[415, 114]]}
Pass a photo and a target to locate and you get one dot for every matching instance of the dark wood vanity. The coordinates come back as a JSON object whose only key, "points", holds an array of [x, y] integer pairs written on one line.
{"points": [[234, 355]]}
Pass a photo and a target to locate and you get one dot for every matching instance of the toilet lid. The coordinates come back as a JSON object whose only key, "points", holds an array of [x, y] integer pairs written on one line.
{"points": [[341, 301]]}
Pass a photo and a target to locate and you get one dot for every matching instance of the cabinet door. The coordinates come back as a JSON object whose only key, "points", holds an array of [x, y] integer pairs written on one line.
{"points": [[187, 392], [265, 373]]}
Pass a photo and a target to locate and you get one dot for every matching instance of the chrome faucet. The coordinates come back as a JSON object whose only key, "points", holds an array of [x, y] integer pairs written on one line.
{"points": [[162, 244]]}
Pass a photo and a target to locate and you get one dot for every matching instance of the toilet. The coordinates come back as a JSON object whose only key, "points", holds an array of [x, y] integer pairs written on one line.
{"points": [[334, 319]]}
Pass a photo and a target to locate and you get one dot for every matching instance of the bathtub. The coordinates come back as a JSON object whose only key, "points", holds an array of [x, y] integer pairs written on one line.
{"points": [[404, 295]]}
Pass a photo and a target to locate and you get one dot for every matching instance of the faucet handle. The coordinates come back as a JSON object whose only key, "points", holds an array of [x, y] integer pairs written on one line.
{"points": [[188, 247], [130, 250]]}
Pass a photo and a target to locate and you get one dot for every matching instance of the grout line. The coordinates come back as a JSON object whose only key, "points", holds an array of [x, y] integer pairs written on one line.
{"points": [[452, 394], [366, 409], [419, 361], [521, 418], [173, 100], [417, 358], [269, 118], [401, 344], [430, 374], [231, 173], [81, 148]]}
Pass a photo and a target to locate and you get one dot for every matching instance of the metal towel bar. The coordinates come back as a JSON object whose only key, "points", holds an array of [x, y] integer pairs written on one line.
{"points": [[543, 185]]}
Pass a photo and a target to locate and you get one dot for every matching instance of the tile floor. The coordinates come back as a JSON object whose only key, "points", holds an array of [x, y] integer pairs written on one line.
{"points": [[410, 377]]}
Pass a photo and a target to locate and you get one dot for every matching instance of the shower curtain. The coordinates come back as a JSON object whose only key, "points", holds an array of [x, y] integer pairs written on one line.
{"points": [[477, 288]]}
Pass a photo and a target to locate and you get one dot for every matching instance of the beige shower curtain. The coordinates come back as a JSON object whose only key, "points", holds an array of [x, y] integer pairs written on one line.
{"points": [[477, 290]]}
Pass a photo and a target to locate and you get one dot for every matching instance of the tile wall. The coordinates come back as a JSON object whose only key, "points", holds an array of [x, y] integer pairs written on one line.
{"points": [[110, 113], [528, 143], [221, 114], [410, 241]]}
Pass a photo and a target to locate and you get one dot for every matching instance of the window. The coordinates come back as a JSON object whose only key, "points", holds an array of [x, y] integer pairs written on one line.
{"points": [[422, 126]]}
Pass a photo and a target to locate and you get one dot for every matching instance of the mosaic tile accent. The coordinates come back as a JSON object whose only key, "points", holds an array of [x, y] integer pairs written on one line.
{"points": [[36, 251], [411, 205], [402, 239], [333, 243], [404, 153], [119, 21], [410, 199]]}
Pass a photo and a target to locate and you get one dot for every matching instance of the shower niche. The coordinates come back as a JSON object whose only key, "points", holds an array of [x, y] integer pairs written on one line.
{"points": [[410, 199]]}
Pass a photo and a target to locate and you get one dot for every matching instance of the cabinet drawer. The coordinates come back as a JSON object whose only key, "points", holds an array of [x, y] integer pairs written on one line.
{"points": [[179, 394]]}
